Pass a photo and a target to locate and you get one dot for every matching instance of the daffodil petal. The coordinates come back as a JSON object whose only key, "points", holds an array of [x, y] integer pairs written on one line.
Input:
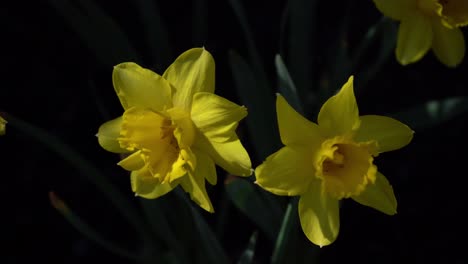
{"points": [[339, 115], [319, 216], [185, 131], [206, 167], [293, 127], [194, 183], [108, 135], [193, 71], [389, 133], [133, 162], [430, 7], [395, 9], [448, 44], [144, 185], [286, 172], [379, 195], [414, 38], [140, 87], [179, 168], [3, 122], [216, 117], [230, 155]]}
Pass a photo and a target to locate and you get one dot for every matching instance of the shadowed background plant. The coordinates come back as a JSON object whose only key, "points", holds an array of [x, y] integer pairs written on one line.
{"points": [[59, 60]]}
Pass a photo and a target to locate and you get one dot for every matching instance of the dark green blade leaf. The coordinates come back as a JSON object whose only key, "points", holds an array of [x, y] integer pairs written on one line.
{"points": [[156, 33], [157, 218], [208, 244], [301, 44], [338, 58], [286, 85], [258, 205], [432, 113], [255, 59], [248, 254], [284, 235], [88, 170], [98, 31], [260, 103], [292, 246], [385, 32], [89, 232]]}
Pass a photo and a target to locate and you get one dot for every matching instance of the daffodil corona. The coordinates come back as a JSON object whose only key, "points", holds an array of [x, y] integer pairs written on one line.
{"points": [[326, 162], [174, 128], [426, 24]]}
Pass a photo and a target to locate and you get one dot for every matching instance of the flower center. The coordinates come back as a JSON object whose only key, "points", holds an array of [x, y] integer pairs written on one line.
{"points": [[430, 7], [455, 12], [161, 141], [167, 135], [345, 167]]}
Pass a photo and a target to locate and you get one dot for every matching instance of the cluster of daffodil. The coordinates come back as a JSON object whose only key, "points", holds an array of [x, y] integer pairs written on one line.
{"points": [[174, 130], [428, 24]]}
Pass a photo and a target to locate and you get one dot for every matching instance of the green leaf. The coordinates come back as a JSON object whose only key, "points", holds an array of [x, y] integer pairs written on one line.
{"points": [[369, 38], [260, 102], [156, 34], [259, 206], [207, 244], [284, 236], [432, 113], [254, 90], [248, 254], [88, 170], [301, 44], [338, 58], [292, 246], [384, 32], [98, 30], [286, 85], [89, 232], [157, 218], [255, 59]]}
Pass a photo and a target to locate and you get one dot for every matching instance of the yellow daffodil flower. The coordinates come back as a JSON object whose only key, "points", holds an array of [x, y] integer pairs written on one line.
{"points": [[426, 24], [3, 123], [174, 128], [326, 162]]}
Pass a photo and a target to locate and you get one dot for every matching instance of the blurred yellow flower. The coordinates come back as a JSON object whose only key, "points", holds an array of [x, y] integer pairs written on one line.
{"points": [[426, 24], [331, 160], [3, 123], [174, 128]]}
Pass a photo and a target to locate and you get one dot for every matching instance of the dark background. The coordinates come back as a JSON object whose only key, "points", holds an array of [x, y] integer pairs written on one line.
{"points": [[53, 80]]}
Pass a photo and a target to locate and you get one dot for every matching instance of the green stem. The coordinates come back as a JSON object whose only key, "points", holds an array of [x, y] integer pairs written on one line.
{"points": [[285, 233]]}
